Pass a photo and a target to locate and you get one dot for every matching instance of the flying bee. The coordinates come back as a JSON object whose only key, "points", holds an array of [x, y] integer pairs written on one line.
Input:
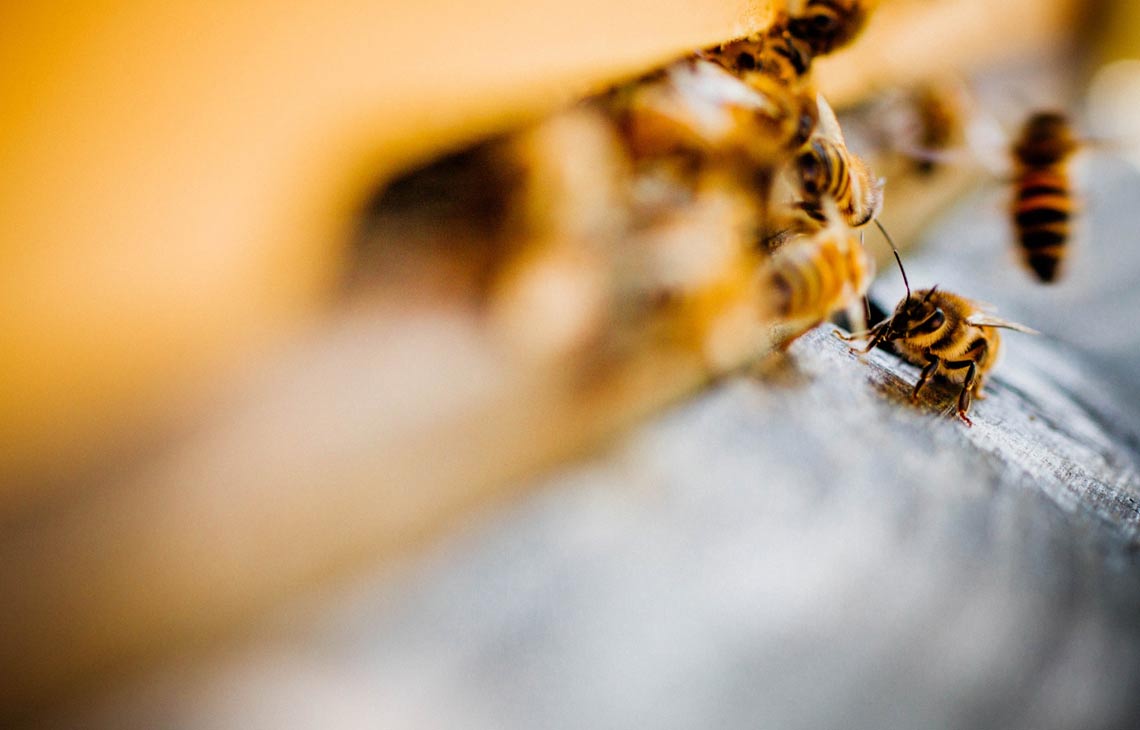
{"points": [[825, 25], [1043, 197], [939, 117], [826, 168], [947, 335], [813, 276]]}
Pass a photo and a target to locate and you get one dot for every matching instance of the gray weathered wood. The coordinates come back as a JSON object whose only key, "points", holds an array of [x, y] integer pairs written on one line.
{"points": [[797, 547]]}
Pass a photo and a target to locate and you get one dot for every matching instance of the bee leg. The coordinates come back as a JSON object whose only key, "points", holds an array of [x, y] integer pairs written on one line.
{"points": [[876, 333], [978, 384], [932, 361], [967, 386]]}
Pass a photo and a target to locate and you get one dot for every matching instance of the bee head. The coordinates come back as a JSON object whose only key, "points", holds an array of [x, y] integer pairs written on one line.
{"points": [[826, 26], [818, 26], [812, 165], [918, 313]]}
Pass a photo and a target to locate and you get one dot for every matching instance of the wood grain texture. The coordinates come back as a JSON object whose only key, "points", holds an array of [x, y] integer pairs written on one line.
{"points": [[804, 549], [798, 546]]}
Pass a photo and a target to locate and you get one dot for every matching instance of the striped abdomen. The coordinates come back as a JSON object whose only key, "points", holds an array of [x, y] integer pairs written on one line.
{"points": [[1042, 208], [828, 169], [813, 277]]}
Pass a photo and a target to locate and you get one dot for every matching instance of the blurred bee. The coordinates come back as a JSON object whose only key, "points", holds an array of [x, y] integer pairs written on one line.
{"points": [[777, 66], [947, 335], [826, 25], [939, 123], [813, 276], [774, 53], [696, 115], [1043, 198], [826, 168]]}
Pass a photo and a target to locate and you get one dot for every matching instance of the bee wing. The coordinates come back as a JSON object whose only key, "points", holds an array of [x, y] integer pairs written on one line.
{"points": [[828, 124], [988, 143], [984, 319]]}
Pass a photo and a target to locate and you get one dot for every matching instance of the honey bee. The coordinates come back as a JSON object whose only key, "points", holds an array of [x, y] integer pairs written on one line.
{"points": [[699, 115], [947, 335], [1043, 198], [825, 25], [812, 276], [778, 66], [774, 53], [826, 168], [939, 118]]}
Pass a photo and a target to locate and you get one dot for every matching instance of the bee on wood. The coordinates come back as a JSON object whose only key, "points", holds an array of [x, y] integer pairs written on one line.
{"points": [[813, 276], [826, 168], [1043, 198], [826, 25], [947, 335]]}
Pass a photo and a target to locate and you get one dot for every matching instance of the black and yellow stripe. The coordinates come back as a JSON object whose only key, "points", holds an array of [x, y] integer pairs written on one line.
{"points": [[1043, 203], [827, 171], [1043, 207], [816, 276]]}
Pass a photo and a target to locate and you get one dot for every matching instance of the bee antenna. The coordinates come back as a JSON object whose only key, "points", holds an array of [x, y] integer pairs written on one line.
{"points": [[895, 251]]}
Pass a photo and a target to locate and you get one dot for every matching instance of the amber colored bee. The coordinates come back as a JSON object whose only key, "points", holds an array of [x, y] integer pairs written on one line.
{"points": [[778, 66], [699, 112], [774, 52], [940, 122], [946, 335], [813, 276], [826, 25], [1043, 198], [825, 168]]}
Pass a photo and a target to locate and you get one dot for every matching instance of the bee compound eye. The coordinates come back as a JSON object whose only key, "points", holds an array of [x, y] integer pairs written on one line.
{"points": [[805, 128], [809, 169], [823, 23]]}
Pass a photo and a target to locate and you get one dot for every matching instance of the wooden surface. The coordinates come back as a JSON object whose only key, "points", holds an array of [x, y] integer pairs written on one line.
{"points": [[798, 546], [334, 455]]}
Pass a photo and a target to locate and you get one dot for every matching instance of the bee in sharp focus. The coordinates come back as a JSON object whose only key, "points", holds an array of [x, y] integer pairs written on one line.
{"points": [[825, 25], [1043, 198], [947, 335], [826, 168], [812, 276]]}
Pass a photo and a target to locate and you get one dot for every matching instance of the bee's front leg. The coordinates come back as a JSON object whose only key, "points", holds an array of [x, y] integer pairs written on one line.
{"points": [[876, 334]]}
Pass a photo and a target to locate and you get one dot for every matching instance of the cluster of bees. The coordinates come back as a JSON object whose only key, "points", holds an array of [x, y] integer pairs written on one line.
{"points": [[721, 187]]}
